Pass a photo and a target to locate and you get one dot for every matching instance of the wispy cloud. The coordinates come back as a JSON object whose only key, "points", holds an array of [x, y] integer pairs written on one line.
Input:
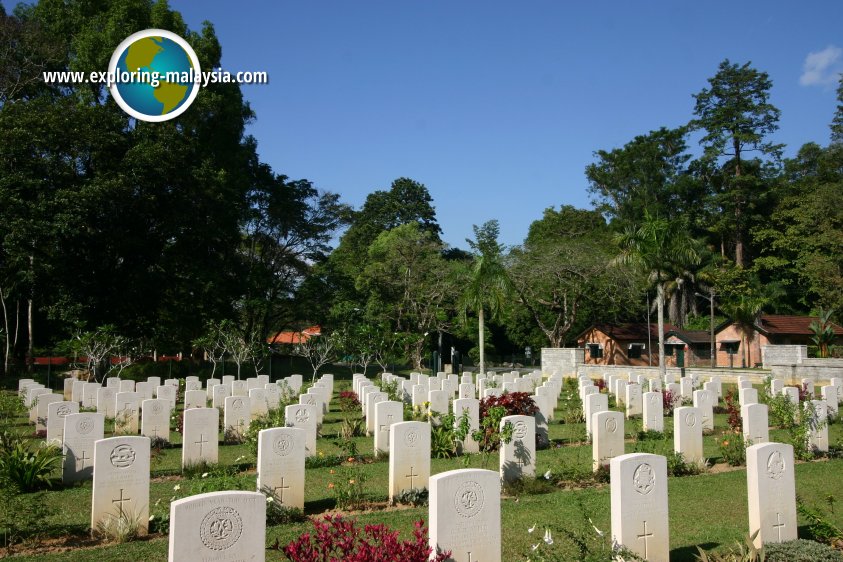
{"points": [[822, 67]]}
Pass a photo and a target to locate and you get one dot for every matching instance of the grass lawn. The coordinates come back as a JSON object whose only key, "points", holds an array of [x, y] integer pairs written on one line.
{"points": [[709, 509]]}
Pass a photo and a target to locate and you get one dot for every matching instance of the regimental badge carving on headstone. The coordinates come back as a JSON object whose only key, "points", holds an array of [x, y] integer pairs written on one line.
{"points": [[690, 419], [283, 445], [122, 456], [85, 425], [302, 415], [520, 430], [64, 410], [221, 528], [156, 407], [468, 501], [644, 479], [237, 404], [775, 465], [611, 425], [411, 438]]}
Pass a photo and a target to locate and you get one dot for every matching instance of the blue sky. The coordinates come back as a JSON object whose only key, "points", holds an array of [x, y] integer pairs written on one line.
{"points": [[497, 107]]}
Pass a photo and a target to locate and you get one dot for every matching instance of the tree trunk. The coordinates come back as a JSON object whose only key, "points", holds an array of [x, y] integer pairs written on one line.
{"points": [[660, 314], [30, 350], [482, 339], [8, 334]]}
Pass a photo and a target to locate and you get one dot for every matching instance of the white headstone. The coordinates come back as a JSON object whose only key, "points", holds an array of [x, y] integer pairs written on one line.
{"points": [[518, 457], [771, 492], [792, 394], [127, 386], [704, 402], [121, 483], [316, 401], [686, 387], [594, 403], [155, 419], [167, 392], [239, 388], [126, 413], [633, 400], [195, 399], [818, 423], [747, 396], [281, 454], [200, 441], [687, 434], [56, 412], [209, 387], [653, 411], [77, 391], [80, 433], [89, 395], [639, 505], [237, 417], [755, 424], [829, 394], [67, 387], [218, 527], [373, 398], [303, 416], [409, 457], [220, 392], [42, 404], [438, 403], [259, 403], [607, 435], [146, 390], [273, 396], [465, 515], [386, 413]]}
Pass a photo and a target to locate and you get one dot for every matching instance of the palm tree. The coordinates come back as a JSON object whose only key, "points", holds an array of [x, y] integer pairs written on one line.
{"points": [[489, 283], [744, 312], [660, 248]]}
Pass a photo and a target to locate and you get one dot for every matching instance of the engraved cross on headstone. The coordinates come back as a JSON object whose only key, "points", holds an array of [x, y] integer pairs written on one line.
{"points": [[282, 487], [411, 476], [120, 501], [470, 559], [201, 442], [778, 527], [645, 536], [84, 458]]}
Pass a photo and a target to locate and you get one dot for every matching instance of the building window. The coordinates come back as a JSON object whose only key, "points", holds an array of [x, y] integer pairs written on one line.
{"points": [[635, 350], [730, 346], [595, 350]]}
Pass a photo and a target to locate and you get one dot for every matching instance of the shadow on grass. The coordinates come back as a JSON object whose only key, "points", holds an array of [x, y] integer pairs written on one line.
{"points": [[319, 506], [690, 553]]}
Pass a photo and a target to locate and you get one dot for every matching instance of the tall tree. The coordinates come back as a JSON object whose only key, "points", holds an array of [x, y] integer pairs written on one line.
{"points": [[737, 117], [658, 247], [837, 120], [489, 283]]}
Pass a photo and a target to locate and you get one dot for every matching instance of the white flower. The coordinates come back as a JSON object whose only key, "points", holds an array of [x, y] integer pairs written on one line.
{"points": [[269, 499], [204, 475], [547, 475], [547, 538], [151, 517], [531, 529], [177, 487], [535, 546]]}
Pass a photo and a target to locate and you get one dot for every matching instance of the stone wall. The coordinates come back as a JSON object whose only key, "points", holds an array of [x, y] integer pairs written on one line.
{"points": [[563, 360], [728, 375], [783, 355], [820, 370]]}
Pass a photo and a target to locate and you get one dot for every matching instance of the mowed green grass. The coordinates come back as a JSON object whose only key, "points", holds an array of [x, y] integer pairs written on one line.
{"points": [[708, 510]]}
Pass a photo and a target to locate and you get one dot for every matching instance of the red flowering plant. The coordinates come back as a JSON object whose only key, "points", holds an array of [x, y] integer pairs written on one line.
{"points": [[515, 404], [336, 538], [349, 400]]}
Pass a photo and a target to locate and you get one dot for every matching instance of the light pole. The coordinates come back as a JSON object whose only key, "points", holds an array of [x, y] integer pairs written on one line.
{"points": [[713, 351]]}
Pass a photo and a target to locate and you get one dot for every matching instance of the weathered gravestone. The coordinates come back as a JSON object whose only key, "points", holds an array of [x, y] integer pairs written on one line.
{"points": [[167, 392], [106, 401], [747, 396], [220, 392], [465, 514], [303, 416], [409, 457], [126, 413], [818, 424], [471, 406], [771, 492], [200, 441], [592, 404], [42, 405], [607, 437], [81, 431], [260, 406], [639, 505], [155, 419], [56, 412], [237, 417], [386, 413], [281, 454], [704, 402], [687, 434], [518, 457], [755, 424], [195, 399], [633, 400], [653, 411], [218, 527], [120, 493]]}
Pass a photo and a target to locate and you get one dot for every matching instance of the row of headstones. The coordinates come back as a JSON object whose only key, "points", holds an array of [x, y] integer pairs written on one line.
{"points": [[240, 403], [465, 513]]}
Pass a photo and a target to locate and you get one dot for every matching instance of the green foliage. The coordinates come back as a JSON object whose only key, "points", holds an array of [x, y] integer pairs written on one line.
{"points": [[22, 516], [741, 552], [26, 468], [819, 526], [678, 466], [732, 448], [443, 442], [273, 418], [119, 527], [417, 497], [278, 513], [528, 486], [348, 486], [801, 550], [823, 332]]}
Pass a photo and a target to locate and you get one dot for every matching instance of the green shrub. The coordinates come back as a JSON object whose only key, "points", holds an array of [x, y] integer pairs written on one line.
{"points": [[732, 448], [801, 550], [415, 496], [28, 469], [678, 466], [273, 418]]}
